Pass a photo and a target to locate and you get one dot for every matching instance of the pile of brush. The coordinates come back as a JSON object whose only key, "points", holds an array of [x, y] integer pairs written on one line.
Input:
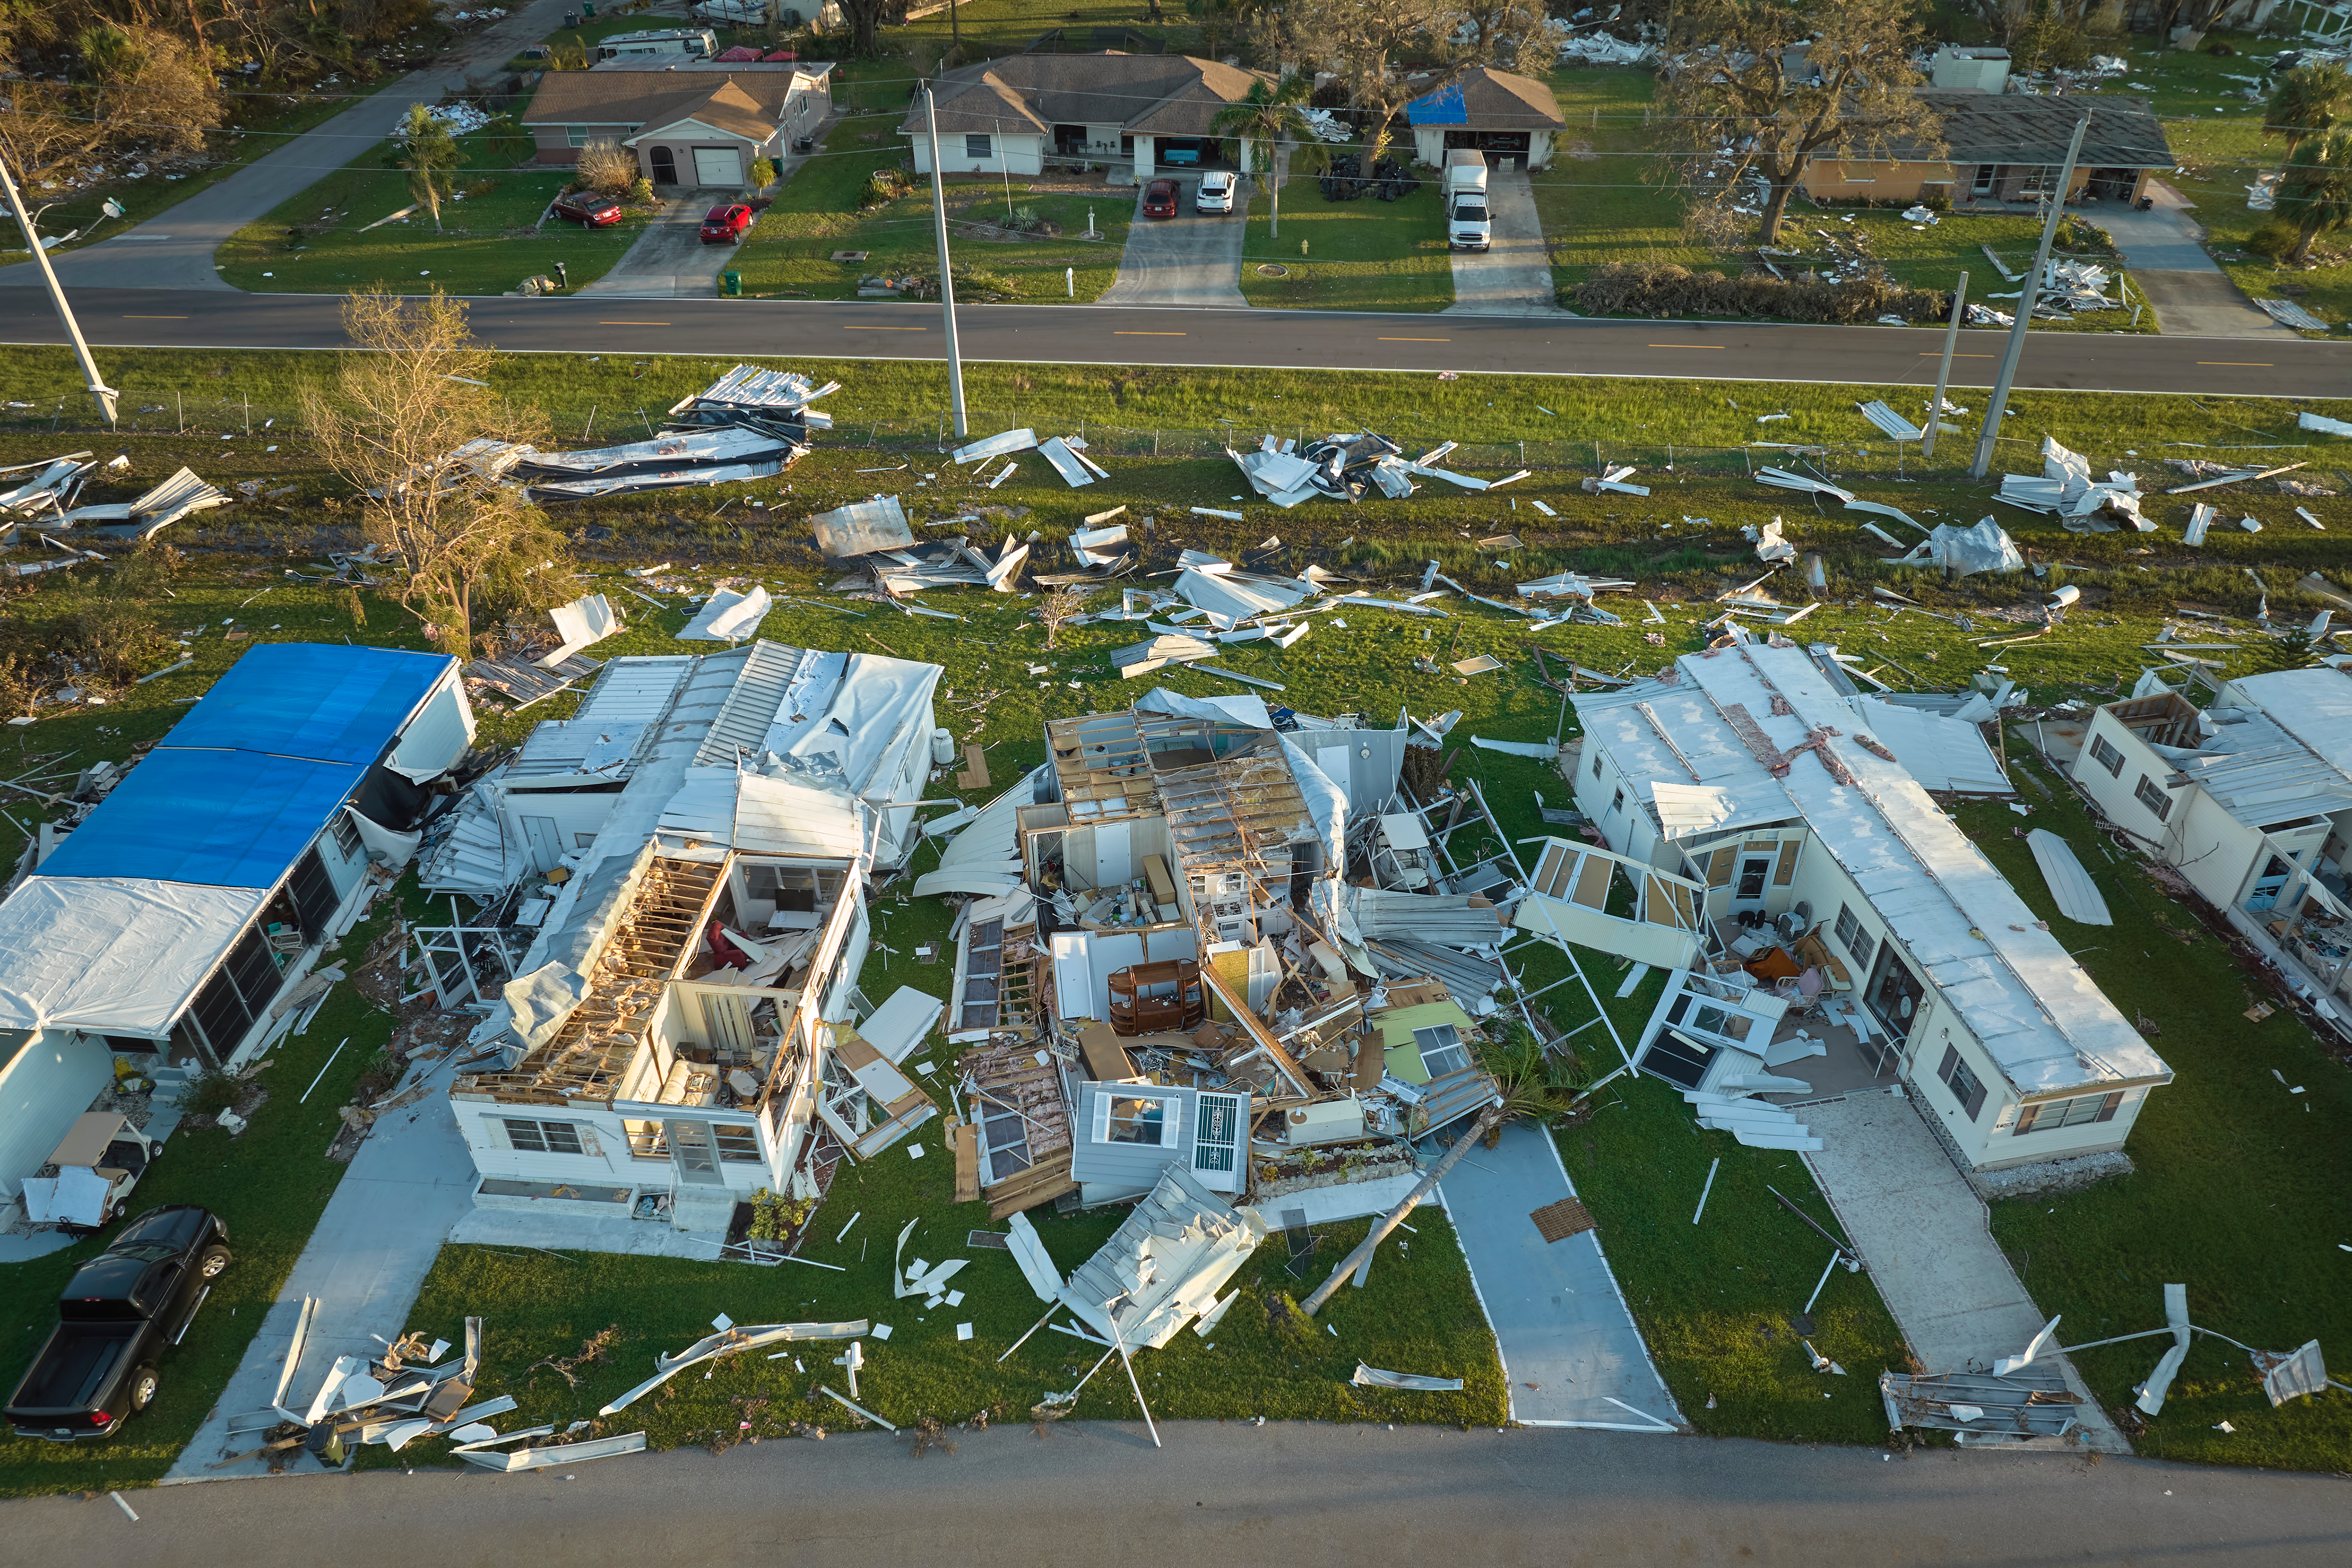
{"points": [[1662, 288]]}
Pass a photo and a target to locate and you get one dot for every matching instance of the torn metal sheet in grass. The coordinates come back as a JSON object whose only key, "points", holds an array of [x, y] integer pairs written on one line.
{"points": [[728, 1342], [559, 1454], [1412, 1382], [999, 446], [862, 528]]}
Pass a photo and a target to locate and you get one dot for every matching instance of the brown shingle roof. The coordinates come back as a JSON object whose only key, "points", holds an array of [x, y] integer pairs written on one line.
{"points": [[1148, 95], [2030, 128], [1489, 100], [750, 106]]}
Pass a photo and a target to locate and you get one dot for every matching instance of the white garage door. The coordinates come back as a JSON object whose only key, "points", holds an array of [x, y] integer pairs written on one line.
{"points": [[717, 166]]}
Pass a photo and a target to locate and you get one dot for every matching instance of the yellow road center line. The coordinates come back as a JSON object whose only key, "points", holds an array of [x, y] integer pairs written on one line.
{"points": [[1413, 339], [633, 323], [1717, 347], [856, 329], [2247, 364], [1117, 333]]}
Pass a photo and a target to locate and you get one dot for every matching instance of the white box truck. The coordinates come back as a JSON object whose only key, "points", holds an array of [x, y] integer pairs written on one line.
{"points": [[1467, 226]]}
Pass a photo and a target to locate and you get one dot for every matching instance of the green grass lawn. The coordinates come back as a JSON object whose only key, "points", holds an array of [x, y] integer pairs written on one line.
{"points": [[1605, 200], [1364, 255], [2239, 1191], [992, 27], [487, 242], [1418, 1314]]}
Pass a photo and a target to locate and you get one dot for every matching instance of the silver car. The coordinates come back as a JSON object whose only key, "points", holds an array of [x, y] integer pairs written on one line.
{"points": [[1215, 194]]}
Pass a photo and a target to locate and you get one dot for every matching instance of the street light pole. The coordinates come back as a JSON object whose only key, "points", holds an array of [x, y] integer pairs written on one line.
{"points": [[947, 280], [2016, 348], [98, 388]]}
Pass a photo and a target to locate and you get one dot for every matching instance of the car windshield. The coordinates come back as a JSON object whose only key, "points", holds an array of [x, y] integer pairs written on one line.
{"points": [[146, 1251]]}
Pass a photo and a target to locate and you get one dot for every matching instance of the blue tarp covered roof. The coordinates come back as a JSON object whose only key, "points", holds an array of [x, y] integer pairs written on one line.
{"points": [[224, 818], [1444, 106], [312, 700]]}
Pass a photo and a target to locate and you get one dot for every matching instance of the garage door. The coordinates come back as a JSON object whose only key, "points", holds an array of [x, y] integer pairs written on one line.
{"points": [[717, 166]]}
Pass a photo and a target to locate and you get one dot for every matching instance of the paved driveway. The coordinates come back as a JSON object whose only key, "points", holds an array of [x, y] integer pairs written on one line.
{"points": [[2193, 295], [1569, 1344], [1513, 277], [1193, 258], [668, 259], [1923, 1234]]}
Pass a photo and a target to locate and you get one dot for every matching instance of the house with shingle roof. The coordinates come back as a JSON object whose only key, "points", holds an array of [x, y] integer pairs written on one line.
{"points": [[698, 122], [2004, 148], [1009, 115], [1513, 119]]}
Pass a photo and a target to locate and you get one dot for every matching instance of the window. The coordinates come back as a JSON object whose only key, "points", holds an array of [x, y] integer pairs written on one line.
{"points": [[976, 147], [1133, 1119], [1852, 937], [2151, 795], [577, 135], [802, 888], [543, 1137], [1004, 1140], [2050, 1114], [1596, 764], [1216, 1136], [1442, 1050], [2107, 757], [347, 836], [313, 893], [1620, 801], [1961, 1082], [738, 1140], [583, 840]]}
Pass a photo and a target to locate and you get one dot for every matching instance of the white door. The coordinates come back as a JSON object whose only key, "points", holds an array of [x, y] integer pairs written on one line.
{"points": [[1114, 860], [1754, 875], [695, 1153], [717, 166], [545, 843]]}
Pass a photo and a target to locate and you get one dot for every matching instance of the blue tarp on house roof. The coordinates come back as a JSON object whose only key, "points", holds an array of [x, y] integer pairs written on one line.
{"points": [[1444, 106], [312, 700], [223, 819]]}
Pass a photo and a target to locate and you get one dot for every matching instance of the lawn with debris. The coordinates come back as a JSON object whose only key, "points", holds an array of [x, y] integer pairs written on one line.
{"points": [[254, 570], [1418, 1314]]}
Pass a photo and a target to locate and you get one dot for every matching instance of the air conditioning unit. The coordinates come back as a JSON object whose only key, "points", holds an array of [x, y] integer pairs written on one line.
{"points": [[1327, 1122]]}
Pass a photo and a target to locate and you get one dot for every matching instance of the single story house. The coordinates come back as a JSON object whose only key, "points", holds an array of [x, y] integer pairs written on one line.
{"points": [[2250, 800], [2001, 147], [698, 122], [170, 922], [1009, 115], [1514, 120], [1757, 782]]}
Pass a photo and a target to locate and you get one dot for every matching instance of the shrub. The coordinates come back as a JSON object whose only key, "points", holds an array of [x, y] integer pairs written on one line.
{"points": [[607, 166], [210, 1093], [1656, 288], [2277, 237], [641, 191], [885, 187]]}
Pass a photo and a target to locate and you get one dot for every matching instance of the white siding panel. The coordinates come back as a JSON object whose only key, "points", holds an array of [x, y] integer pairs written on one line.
{"points": [[51, 1081]]}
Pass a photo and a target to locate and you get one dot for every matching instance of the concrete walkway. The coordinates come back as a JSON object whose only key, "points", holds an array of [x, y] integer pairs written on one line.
{"points": [[1513, 277], [1193, 258], [174, 249], [1923, 1234], [1569, 1349], [2193, 295], [411, 1181]]}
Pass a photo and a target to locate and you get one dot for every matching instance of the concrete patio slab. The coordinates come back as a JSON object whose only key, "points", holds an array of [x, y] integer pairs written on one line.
{"points": [[557, 1232], [1923, 1234], [1570, 1351]]}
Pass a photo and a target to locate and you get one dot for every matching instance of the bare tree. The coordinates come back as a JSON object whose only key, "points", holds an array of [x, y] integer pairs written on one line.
{"points": [[1058, 610], [1370, 44], [1760, 88], [394, 423]]}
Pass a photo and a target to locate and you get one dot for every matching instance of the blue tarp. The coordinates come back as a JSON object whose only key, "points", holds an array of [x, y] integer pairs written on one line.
{"points": [[312, 700], [224, 818], [1444, 106]]}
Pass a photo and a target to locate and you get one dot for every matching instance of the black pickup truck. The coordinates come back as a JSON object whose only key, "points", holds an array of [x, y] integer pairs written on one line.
{"points": [[115, 1317]]}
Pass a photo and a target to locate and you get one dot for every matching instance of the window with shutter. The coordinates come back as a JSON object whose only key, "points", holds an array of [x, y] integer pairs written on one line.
{"points": [[1787, 872], [1963, 1083], [1718, 870]]}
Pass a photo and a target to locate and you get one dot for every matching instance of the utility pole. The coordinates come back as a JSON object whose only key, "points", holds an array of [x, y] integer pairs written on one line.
{"points": [[947, 280], [98, 388], [1944, 375], [2016, 349]]}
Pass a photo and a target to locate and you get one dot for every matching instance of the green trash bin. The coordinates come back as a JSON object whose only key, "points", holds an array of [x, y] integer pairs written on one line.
{"points": [[731, 284], [588, 10]]}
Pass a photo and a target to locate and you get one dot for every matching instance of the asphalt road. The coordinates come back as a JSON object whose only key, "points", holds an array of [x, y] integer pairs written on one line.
{"points": [[1300, 1496], [1319, 340]]}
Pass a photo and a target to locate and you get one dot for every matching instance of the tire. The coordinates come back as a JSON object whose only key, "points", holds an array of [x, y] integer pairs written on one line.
{"points": [[215, 1260], [145, 1383]]}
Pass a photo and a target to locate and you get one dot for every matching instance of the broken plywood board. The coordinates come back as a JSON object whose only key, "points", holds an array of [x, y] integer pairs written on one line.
{"points": [[1559, 1221]]}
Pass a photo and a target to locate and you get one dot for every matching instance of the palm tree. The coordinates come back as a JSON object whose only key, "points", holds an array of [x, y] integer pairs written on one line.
{"points": [[431, 153], [2315, 195], [1270, 118], [2307, 100]]}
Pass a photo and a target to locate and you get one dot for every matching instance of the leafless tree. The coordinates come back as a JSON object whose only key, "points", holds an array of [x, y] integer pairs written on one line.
{"points": [[1058, 610], [393, 423], [1760, 88]]}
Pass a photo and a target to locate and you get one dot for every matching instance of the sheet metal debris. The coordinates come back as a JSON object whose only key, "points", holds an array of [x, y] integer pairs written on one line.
{"points": [[1374, 1377], [862, 528], [2066, 490]]}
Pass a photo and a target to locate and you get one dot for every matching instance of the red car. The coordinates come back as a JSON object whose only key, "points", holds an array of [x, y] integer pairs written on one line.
{"points": [[1160, 199], [725, 225], [591, 209]]}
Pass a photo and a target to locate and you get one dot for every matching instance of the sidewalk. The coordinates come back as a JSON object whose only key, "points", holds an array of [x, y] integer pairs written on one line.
{"points": [[174, 249], [1923, 1234], [1571, 1352], [411, 1181]]}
